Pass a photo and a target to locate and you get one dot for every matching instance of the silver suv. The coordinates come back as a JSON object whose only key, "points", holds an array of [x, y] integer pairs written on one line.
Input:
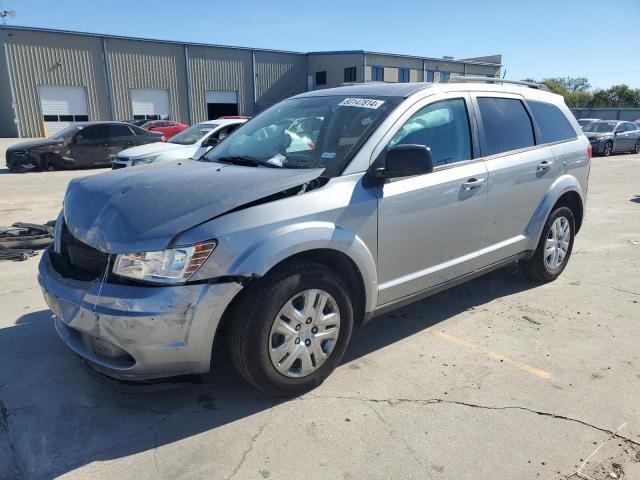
{"points": [[322, 212]]}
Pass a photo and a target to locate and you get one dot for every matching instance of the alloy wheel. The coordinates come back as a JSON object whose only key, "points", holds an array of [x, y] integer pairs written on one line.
{"points": [[608, 148], [304, 333], [557, 243], [637, 149]]}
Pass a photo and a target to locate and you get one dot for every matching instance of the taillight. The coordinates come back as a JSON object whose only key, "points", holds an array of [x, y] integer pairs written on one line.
{"points": [[590, 151]]}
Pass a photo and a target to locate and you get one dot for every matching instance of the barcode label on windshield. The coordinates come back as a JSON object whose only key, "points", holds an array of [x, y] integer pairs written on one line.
{"points": [[361, 102]]}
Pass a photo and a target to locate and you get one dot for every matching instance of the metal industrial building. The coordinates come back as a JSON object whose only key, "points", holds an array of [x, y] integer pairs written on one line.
{"points": [[51, 78]]}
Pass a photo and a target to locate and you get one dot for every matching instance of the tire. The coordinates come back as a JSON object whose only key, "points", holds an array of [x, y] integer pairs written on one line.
{"points": [[540, 266], [636, 149], [607, 150], [49, 163], [253, 329]]}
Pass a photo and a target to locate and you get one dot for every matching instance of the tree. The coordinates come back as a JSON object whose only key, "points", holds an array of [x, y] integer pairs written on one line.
{"points": [[571, 84], [577, 93]]}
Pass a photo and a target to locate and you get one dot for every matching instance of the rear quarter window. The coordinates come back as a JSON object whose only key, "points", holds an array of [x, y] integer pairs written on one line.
{"points": [[552, 123], [506, 125]]}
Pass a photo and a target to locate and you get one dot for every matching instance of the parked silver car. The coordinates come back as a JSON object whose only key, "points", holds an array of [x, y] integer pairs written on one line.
{"points": [[613, 136], [401, 191]]}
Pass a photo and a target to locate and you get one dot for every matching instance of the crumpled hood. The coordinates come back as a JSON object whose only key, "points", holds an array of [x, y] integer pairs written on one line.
{"points": [[45, 142], [144, 208]]}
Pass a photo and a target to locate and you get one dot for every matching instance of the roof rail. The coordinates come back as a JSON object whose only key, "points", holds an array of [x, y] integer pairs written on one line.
{"points": [[463, 79]]}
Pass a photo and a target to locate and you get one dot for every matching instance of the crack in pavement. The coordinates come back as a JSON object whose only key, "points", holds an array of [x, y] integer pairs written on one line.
{"points": [[248, 450], [4, 424], [436, 401], [604, 285]]}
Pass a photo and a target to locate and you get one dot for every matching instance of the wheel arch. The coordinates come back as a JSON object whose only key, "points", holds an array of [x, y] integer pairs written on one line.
{"points": [[566, 191]]}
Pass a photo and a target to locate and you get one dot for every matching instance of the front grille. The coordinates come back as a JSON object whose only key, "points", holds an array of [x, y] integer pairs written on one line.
{"points": [[78, 260]]}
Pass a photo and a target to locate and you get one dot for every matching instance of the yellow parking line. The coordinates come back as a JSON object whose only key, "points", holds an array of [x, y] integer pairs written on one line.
{"points": [[496, 356]]}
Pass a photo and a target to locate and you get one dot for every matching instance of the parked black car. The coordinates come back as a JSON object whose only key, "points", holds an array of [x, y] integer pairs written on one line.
{"points": [[91, 144], [613, 136]]}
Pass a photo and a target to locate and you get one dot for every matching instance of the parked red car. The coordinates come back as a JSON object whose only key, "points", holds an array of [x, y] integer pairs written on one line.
{"points": [[167, 127]]}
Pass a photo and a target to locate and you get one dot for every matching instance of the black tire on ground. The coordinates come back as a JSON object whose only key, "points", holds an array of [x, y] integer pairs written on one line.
{"points": [[254, 314], [536, 268], [49, 163], [637, 147], [607, 150]]}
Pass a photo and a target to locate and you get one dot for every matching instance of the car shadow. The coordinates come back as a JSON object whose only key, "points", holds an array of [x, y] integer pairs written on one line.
{"points": [[58, 418]]}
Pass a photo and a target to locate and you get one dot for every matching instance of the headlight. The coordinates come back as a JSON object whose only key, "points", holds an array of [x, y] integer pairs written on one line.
{"points": [[143, 160], [174, 265]]}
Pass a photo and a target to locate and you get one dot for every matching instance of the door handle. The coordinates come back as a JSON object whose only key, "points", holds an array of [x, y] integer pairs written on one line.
{"points": [[544, 166], [472, 183]]}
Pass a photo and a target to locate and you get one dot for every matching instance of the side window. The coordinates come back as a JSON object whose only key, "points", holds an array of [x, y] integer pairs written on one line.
{"points": [[119, 131], [96, 132], [441, 126], [506, 123], [553, 125], [222, 133]]}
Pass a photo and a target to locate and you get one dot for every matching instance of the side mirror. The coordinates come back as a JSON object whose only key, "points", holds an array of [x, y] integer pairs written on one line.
{"points": [[405, 161]]}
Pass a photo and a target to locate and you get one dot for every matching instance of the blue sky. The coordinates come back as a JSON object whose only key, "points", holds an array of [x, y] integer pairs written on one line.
{"points": [[598, 39]]}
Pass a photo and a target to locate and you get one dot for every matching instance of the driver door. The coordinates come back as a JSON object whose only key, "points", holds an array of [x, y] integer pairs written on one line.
{"points": [[430, 226]]}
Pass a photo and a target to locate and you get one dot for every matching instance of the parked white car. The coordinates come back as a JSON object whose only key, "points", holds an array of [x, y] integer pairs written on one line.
{"points": [[192, 142]]}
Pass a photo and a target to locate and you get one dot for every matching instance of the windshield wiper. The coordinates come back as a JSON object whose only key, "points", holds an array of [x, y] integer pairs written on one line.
{"points": [[246, 161]]}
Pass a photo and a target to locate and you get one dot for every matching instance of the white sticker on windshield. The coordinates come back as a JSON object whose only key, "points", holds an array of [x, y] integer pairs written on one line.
{"points": [[361, 102], [328, 155]]}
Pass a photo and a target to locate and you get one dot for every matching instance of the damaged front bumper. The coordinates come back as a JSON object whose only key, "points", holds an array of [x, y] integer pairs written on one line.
{"points": [[136, 332]]}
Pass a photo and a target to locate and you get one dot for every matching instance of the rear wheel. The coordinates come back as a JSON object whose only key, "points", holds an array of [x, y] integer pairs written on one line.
{"points": [[290, 330], [607, 150], [554, 248]]}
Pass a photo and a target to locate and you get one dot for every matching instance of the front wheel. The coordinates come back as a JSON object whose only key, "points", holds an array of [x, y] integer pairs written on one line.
{"points": [[607, 150], [290, 330], [637, 147], [554, 248]]}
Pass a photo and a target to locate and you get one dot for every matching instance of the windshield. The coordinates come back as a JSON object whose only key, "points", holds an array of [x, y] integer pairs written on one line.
{"points": [[67, 132], [191, 135], [599, 127], [312, 132]]}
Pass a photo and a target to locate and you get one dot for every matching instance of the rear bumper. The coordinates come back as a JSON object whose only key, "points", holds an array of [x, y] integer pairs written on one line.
{"points": [[136, 332]]}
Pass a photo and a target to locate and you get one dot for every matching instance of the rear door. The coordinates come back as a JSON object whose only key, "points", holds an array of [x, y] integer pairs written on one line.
{"points": [[520, 172], [430, 226], [120, 138], [89, 146], [625, 139]]}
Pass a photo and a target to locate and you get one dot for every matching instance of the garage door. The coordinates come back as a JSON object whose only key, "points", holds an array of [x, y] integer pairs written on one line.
{"points": [[221, 103], [62, 107], [149, 103]]}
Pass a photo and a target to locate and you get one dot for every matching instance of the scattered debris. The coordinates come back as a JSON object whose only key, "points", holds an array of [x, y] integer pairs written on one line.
{"points": [[17, 254], [531, 320], [19, 241]]}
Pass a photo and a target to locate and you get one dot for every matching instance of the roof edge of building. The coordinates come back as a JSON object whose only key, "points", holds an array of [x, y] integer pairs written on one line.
{"points": [[469, 61]]}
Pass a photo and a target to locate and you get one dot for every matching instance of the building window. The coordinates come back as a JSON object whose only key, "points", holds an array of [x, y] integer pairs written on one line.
{"points": [[321, 78], [350, 74], [403, 75], [377, 74], [429, 75]]}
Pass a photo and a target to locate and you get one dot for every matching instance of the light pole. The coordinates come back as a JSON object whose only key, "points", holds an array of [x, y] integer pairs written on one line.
{"points": [[7, 13]]}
